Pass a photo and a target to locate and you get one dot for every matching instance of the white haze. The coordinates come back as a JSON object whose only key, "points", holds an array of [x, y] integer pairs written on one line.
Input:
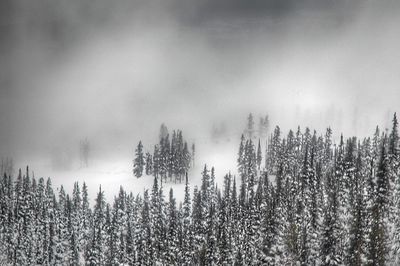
{"points": [[116, 83]]}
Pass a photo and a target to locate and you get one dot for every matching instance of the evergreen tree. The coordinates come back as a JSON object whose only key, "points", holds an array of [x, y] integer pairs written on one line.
{"points": [[259, 155], [330, 248], [263, 127], [138, 163], [172, 235], [149, 164], [156, 161], [240, 160], [193, 154], [250, 127], [95, 253], [187, 244], [394, 137], [378, 236], [163, 131]]}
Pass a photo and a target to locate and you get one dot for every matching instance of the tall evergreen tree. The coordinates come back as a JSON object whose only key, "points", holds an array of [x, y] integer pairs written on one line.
{"points": [[259, 155], [394, 137], [138, 163], [149, 164]]}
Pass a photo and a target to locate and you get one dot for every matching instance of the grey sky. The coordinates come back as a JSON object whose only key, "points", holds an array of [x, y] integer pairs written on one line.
{"points": [[114, 70]]}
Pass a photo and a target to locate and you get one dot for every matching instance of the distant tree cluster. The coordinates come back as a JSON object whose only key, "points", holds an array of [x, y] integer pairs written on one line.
{"points": [[7, 166], [321, 204], [251, 132], [84, 152], [171, 159], [249, 158]]}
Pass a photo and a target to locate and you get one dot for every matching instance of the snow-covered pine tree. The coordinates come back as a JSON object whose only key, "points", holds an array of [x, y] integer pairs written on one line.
{"points": [[143, 234], [193, 152], [259, 155], [394, 137], [240, 160], [263, 127], [172, 254], [158, 222], [250, 132], [330, 233], [149, 164], [211, 248], [156, 161], [138, 162], [378, 236], [187, 241], [96, 250]]}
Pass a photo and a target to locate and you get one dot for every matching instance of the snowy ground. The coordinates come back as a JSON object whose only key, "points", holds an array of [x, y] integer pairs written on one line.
{"points": [[113, 172]]}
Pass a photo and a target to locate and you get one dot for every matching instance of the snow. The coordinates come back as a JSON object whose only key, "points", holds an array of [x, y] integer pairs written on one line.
{"points": [[111, 172]]}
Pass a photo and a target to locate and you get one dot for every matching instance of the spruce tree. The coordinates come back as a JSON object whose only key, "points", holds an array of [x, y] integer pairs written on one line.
{"points": [[187, 244], [138, 163], [172, 234], [149, 164], [394, 137], [378, 236], [259, 155], [250, 127]]}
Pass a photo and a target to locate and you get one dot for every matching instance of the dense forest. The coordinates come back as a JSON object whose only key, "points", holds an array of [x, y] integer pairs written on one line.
{"points": [[170, 161], [303, 200]]}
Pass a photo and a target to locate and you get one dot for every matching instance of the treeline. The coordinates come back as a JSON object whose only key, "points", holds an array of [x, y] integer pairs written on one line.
{"points": [[315, 203], [332, 204], [171, 158], [251, 132]]}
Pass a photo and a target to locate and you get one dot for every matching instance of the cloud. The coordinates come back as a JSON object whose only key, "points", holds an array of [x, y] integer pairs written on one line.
{"points": [[114, 72]]}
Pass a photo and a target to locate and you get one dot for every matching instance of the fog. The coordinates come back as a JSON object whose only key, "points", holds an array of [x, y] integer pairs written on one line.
{"points": [[113, 71]]}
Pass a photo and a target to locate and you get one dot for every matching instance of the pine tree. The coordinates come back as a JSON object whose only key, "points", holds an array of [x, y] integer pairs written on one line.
{"points": [[378, 236], [394, 137], [250, 126], [240, 160], [156, 161], [185, 162], [158, 221], [145, 252], [259, 155], [172, 235], [164, 156], [163, 131], [211, 256], [330, 248], [138, 163], [95, 253], [193, 154], [197, 224], [149, 164], [187, 229], [395, 232], [263, 127], [274, 152]]}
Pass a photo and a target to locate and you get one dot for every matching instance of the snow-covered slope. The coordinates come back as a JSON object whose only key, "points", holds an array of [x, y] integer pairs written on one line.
{"points": [[113, 172]]}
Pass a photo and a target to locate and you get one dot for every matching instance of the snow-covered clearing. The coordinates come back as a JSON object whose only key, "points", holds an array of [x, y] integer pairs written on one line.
{"points": [[112, 172]]}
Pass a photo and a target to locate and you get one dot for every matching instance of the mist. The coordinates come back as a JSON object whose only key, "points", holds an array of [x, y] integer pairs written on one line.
{"points": [[157, 132], [113, 73]]}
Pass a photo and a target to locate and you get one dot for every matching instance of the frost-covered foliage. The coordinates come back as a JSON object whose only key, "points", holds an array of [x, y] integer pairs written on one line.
{"points": [[171, 159], [327, 205]]}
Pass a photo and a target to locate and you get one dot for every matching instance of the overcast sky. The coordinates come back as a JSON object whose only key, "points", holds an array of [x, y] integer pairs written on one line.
{"points": [[112, 71]]}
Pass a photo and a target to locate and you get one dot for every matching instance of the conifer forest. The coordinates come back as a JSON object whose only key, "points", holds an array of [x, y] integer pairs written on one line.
{"points": [[302, 201], [199, 133]]}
